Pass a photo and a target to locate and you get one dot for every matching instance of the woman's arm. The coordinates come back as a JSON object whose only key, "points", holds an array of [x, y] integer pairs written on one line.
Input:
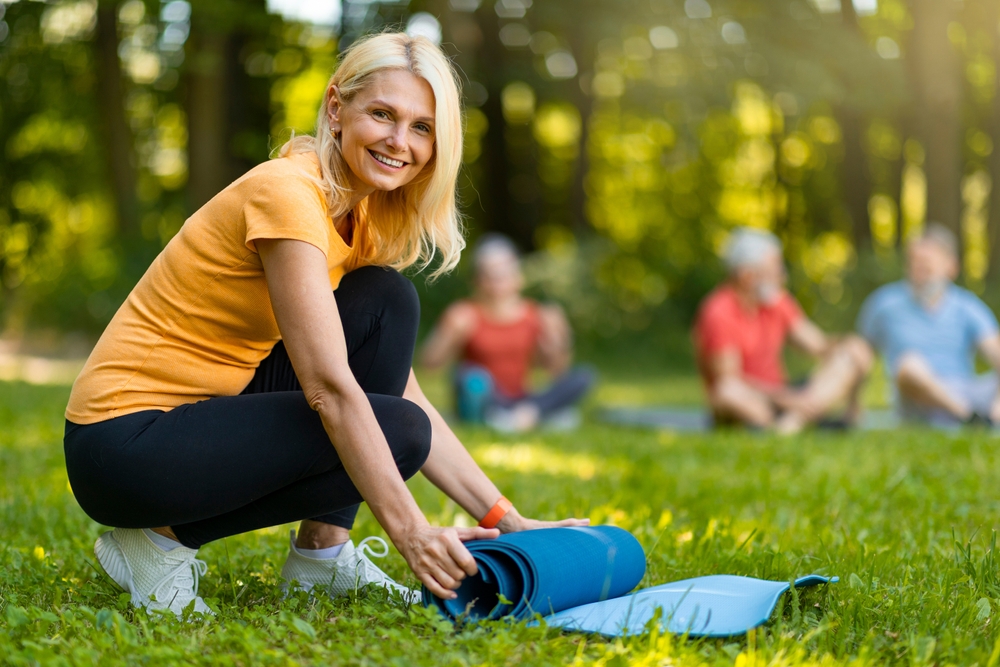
{"points": [[555, 340], [449, 336], [307, 316], [452, 469]]}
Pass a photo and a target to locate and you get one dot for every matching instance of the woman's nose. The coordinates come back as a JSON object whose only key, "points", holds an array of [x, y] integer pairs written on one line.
{"points": [[397, 139]]}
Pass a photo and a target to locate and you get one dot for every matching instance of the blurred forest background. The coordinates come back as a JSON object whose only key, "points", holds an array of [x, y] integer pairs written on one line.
{"points": [[615, 140]]}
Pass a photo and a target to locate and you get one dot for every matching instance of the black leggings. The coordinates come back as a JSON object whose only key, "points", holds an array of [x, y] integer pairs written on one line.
{"points": [[232, 464]]}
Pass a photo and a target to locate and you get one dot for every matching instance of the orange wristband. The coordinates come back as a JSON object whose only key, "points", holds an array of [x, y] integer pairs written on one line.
{"points": [[496, 513]]}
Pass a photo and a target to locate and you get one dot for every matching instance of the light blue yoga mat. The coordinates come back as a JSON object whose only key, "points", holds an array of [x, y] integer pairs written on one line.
{"points": [[720, 605], [578, 578], [545, 571]]}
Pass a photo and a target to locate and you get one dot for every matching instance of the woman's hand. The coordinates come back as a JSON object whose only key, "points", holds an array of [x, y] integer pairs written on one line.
{"points": [[438, 557], [513, 522]]}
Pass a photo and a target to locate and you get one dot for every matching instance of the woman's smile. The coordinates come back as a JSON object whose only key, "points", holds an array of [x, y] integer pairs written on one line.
{"points": [[387, 162]]}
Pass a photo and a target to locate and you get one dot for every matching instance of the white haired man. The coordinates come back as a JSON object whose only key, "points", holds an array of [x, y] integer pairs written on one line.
{"points": [[739, 335], [929, 329]]}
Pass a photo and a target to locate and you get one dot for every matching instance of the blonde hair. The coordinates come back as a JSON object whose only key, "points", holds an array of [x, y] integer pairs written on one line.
{"points": [[419, 221]]}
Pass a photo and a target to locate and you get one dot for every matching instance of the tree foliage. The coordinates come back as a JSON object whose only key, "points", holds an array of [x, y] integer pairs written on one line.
{"points": [[620, 138]]}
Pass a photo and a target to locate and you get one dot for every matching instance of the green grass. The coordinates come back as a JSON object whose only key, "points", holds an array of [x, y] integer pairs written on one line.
{"points": [[905, 519]]}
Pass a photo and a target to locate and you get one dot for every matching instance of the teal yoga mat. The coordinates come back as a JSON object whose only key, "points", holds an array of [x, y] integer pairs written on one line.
{"points": [[578, 579], [715, 606], [546, 571]]}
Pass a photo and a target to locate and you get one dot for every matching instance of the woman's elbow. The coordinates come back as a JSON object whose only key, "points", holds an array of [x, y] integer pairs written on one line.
{"points": [[323, 394]]}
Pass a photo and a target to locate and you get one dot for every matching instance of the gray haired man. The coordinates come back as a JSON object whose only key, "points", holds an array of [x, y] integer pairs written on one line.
{"points": [[741, 331]]}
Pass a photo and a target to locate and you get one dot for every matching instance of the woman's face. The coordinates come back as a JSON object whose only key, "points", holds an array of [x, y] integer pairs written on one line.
{"points": [[387, 129], [498, 275]]}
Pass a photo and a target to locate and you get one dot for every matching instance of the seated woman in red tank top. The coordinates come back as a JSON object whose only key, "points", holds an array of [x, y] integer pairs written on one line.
{"points": [[498, 336]]}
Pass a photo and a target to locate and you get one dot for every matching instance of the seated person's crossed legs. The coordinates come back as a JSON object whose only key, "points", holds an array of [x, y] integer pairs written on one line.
{"points": [[943, 401], [835, 383]]}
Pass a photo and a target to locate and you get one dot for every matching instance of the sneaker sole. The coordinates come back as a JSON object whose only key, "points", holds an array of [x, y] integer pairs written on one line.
{"points": [[411, 595], [111, 557]]}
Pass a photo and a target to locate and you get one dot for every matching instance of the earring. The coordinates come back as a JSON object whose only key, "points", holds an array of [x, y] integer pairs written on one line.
{"points": [[334, 133]]}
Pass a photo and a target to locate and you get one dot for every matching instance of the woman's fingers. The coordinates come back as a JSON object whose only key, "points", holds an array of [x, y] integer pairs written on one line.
{"points": [[477, 533], [532, 524], [443, 577], [441, 561], [573, 522], [454, 571], [565, 523], [463, 558], [436, 588]]}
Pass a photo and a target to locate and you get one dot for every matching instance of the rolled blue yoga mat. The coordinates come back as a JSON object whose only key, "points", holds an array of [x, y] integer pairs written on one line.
{"points": [[545, 571]]}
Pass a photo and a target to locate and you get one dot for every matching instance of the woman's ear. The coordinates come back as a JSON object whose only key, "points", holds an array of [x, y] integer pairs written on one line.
{"points": [[334, 107]]}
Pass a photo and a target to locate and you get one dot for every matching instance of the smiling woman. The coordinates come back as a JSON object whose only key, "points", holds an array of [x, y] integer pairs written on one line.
{"points": [[260, 371], [394, 100]]}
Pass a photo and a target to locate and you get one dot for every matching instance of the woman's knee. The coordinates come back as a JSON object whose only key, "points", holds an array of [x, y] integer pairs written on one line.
{"points": [[409, 437], [385, 290], [584, 377]]}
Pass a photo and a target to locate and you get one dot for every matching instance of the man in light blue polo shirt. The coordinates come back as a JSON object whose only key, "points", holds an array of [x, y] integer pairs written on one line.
{"points": [[928, 331]]}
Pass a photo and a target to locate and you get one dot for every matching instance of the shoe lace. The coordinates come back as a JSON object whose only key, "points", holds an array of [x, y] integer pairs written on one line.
{"points": [[366, 570], [182, 579]]}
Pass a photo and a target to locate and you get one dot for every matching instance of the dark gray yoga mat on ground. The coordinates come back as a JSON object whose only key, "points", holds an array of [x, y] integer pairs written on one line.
{"points": [[697, 420]]}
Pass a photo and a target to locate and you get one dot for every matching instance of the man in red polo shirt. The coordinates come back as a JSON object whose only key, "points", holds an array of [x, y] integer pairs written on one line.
{"points": [[739, 336]]}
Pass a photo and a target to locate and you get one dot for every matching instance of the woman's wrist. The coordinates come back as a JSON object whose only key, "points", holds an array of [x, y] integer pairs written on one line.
{"points": [[512, 522], [498, 511], [400, 531]]}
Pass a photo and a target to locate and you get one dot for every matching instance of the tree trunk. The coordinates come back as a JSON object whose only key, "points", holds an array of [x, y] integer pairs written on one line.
{"points": [[585, 51], [854, 177], [248, 110], [498, 202], [206, 105], [854, 170], [938, 96], [993, 222], [117, 133]]}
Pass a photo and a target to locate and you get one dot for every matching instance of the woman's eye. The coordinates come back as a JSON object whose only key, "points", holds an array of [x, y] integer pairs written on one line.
{"points": [[420, 127], [380, 114]]}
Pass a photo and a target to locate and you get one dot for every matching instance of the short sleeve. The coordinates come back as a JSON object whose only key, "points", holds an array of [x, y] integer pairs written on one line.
{"points": [[868, 319], [287, 206], [716, 330], [791, 311], [982, 322]]}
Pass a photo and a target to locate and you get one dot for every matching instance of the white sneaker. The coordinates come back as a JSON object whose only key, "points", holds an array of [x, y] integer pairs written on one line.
{"points": [[349, 571], [517, 418], [157, 579]]}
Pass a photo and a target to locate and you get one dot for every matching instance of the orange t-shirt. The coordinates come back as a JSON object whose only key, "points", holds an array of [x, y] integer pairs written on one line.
{"points": [[199, 321], [758, 336], [505, 349]]}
